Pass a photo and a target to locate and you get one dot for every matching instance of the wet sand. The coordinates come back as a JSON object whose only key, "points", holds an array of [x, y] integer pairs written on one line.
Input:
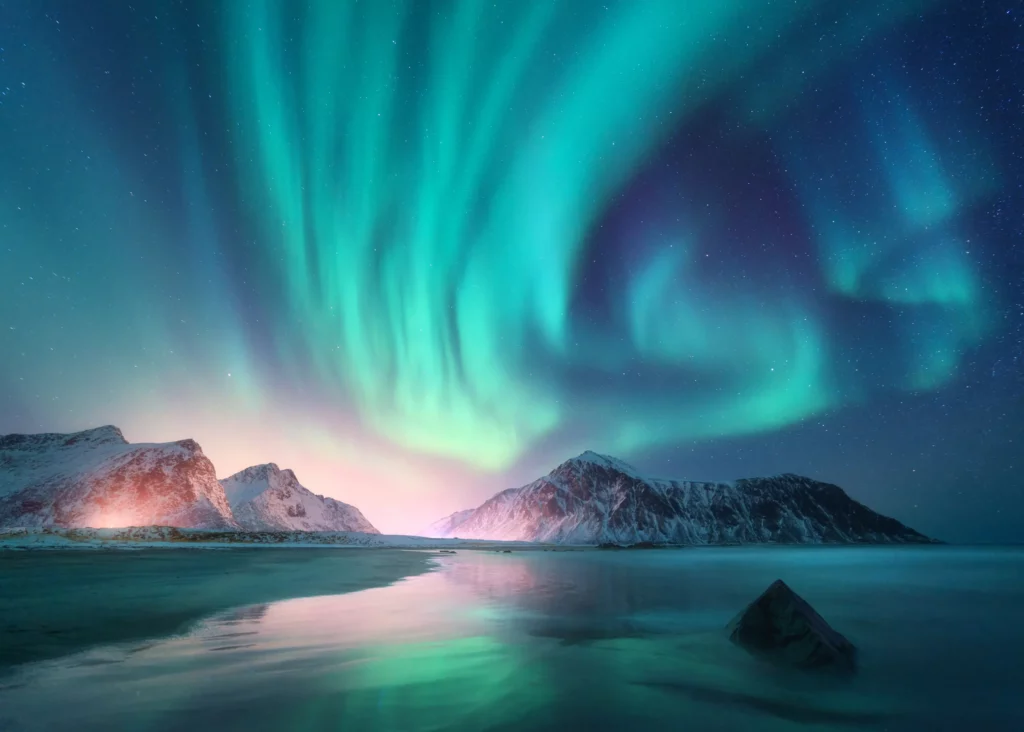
{"points": [[56, 603]]}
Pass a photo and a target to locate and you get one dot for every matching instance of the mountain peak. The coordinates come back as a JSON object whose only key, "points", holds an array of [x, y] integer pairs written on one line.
{"points": [[605, 461], [255, 472], [247, 484], [190, 445], [107, 434]]}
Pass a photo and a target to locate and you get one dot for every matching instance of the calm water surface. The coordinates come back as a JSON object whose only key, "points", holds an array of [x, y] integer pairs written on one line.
{"points": [[570, 640]]}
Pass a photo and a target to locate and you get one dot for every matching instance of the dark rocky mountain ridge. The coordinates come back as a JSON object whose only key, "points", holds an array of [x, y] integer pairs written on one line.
{"points": [[594, 499]]}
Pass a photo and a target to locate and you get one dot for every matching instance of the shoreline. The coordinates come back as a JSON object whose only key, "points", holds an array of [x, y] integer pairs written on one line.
{"points": [[57, 603], [167, 537]]}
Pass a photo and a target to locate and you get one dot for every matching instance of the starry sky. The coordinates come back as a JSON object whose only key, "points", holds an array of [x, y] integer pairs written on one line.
{"points": [[423, 250]]}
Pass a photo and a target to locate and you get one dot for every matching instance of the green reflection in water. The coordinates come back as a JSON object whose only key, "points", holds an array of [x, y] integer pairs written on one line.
{"points": [[464, 683]]}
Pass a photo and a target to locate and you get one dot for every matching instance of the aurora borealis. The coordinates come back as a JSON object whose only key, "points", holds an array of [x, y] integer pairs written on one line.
{"points": [[419, 251]]}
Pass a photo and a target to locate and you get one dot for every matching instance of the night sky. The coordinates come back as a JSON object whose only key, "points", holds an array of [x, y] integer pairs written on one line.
{"points": [[422, 251]]}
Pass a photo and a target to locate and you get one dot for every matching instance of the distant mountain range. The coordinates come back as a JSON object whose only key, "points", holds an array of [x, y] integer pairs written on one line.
{"points": [[98, 479], [595, 499]]}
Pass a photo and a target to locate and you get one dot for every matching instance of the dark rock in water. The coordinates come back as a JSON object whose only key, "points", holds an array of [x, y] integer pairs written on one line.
{"points": [[783, 625], [609, 545]]}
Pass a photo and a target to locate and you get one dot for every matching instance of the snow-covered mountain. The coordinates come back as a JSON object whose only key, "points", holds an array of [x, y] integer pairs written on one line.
{"points": [[96, 478], [594, 499], [266, 498]]}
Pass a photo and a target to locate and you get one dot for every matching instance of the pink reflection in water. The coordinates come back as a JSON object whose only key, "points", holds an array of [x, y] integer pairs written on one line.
{"points": [[428, 607]]}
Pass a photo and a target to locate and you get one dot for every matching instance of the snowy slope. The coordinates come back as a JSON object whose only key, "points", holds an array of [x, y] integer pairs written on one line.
{"points": [[266, 498], [595, 499], [96, 478], [449, 524]]}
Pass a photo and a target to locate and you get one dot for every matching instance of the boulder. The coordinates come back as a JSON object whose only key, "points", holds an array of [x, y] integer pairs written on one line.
{"points": [[784, 626]]}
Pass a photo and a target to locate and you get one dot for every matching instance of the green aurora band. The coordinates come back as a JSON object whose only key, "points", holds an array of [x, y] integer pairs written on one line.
{"points": [[429, 209]]}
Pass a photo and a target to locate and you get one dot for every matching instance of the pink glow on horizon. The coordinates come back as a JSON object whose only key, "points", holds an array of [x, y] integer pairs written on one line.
{"points": [[397, 491]]}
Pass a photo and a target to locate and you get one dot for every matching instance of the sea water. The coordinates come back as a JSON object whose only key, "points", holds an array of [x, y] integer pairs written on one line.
{"points": [[568, 640]]}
